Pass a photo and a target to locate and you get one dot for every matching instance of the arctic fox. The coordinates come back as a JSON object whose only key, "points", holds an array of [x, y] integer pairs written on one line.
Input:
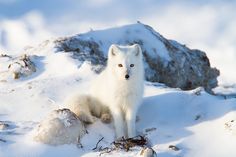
{"points": [[117, 92], [120, 87]]}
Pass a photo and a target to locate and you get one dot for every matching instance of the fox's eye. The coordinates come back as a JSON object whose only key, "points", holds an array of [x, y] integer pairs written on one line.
{"points": [[131, 65], [120, 65]]}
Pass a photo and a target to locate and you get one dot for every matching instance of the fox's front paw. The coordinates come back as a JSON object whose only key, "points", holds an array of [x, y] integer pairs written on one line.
{"points": [[106, 118]]}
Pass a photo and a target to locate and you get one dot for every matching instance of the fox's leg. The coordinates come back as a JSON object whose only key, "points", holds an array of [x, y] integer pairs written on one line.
{"points": [[118, 122], [130, 117]]}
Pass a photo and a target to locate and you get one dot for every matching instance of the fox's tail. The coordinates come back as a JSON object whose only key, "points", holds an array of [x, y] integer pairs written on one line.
{"points": [[85, 107]]}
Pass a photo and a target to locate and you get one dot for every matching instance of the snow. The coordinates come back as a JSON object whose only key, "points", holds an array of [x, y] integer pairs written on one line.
{"points": [[128, 33], [186, 119], [199, 124], [30, 30]]}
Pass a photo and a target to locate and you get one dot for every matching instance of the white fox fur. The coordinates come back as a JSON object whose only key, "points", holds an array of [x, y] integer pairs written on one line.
{"points": [[86, 106], [113, 93], [120, 94]]}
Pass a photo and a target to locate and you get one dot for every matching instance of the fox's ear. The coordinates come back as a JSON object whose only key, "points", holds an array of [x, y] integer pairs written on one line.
{"points": [[113, 49], [138, 49]]}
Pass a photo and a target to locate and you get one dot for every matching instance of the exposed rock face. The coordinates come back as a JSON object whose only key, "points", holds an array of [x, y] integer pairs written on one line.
{"points": [[166, 61]]}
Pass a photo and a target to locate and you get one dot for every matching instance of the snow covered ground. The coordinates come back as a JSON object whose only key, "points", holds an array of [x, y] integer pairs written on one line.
{"points": [[197, 123]]}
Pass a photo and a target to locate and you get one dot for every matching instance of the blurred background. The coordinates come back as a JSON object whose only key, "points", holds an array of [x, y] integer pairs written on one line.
{"points": [[208, 25]]}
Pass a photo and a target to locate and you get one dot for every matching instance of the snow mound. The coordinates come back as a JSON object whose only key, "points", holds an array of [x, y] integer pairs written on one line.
{"points": [[166, 61], [61, 127]]}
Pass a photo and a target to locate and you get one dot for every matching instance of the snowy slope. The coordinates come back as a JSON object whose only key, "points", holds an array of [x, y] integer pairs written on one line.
{"points": [[188, 120], [198, 123]]}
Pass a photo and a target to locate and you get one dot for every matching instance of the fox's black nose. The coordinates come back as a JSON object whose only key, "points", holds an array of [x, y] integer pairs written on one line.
{"points": [[126, 76]]}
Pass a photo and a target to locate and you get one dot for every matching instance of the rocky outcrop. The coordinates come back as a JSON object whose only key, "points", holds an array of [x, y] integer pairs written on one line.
{"points": [[166, 61], [17, 66]]}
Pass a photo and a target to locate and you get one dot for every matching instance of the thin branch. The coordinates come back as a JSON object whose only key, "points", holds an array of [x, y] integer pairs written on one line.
{"points": [[2, 140], [123, 144], [98, 143]]}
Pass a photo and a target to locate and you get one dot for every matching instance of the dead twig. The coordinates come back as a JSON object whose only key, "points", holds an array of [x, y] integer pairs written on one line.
{"points": [[98, 143], [128, 143], [122, 144], [150, 129], [2, 140], [106, 150], [79, 144]]}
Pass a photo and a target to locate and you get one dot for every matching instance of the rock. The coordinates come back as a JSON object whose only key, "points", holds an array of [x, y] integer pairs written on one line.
{"points": [[61, 127], [175, 148], [21, 66], [15, 75], [3, 125], [147, 152], [231, 126], [166, 61], [17, 66]]}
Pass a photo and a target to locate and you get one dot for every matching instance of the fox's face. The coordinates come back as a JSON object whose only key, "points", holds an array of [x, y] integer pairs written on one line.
{"points": [[125, 62]]}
